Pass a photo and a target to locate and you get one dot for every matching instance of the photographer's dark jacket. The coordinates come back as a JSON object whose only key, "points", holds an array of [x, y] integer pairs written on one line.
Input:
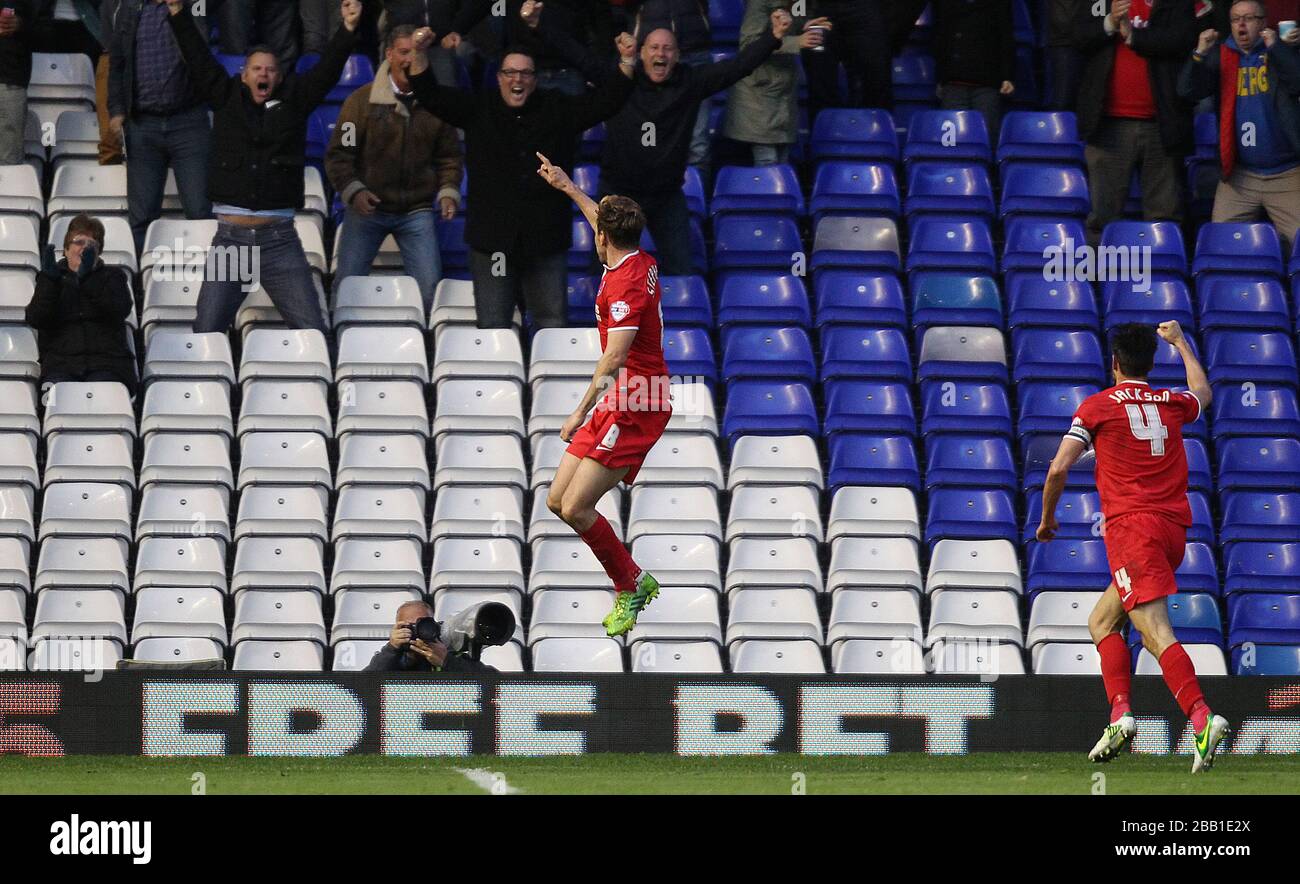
{"points": [[513, 210], [390, 659], [82, 322], [258, 151]]}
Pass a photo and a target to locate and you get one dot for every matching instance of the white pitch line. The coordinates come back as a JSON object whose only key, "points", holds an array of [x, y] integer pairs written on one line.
{"points": [[493, 783]]}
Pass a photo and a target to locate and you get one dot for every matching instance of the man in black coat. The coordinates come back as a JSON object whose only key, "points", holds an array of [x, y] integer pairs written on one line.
{"points": [[648, 141], [15, 75], [1130, 114], [80, 308], [518, 228], [401, 654], [255, 173]]}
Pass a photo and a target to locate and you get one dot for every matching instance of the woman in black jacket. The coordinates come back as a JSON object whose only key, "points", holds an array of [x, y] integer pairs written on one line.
{"points": [[80, 309]]}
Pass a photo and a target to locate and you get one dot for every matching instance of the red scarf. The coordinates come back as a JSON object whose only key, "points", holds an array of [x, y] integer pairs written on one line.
{"points": [[1229, 62]]}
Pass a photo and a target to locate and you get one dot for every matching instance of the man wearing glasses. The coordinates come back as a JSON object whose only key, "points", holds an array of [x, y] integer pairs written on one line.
{"points": [[1259, 117], [517, 227]]}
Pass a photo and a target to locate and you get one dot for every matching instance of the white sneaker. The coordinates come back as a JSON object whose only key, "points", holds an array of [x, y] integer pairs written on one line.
{"points": [[1114, 739], [1207, 741]]}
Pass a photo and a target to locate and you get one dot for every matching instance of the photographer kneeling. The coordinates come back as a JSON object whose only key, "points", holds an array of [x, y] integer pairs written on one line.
{"points": [[416, 645]]}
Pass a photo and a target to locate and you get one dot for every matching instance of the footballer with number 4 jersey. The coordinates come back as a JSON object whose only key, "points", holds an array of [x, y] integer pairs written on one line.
{"points": [[628, 396], [1136, 435]]}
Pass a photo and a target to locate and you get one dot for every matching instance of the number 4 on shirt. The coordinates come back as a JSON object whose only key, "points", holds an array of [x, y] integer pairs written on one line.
{"points": [[1144, 421]]}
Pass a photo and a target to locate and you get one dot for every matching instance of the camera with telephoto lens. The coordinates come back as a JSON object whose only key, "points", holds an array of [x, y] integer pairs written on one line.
{"points": [[427, 630], [479, 626]]}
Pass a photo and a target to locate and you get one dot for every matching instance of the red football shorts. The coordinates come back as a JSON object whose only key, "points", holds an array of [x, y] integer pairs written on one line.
{"points": [[617, 439], [1144, 550]]}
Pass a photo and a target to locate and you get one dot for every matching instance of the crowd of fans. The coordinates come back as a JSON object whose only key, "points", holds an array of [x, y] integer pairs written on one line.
{"points": [[1133, 71]]}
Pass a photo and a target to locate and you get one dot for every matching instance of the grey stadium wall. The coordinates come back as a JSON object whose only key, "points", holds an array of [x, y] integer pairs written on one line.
{"points": [[321, 714]]}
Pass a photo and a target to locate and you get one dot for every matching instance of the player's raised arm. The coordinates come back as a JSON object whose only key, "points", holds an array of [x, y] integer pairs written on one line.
{"points": [[1197, 382], [560, 180], [1067, 455]]}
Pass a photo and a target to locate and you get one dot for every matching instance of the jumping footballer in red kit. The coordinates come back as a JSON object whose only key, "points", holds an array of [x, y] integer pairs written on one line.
{"points": [[1136, 433], [629, 392]]}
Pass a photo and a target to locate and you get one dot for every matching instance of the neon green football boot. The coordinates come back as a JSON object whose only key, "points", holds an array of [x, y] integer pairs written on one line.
{"points": [[629, 605], [1207, 741], [1114, 739]]}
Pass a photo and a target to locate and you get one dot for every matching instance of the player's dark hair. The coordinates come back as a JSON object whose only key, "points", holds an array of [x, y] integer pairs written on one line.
{"points": [[1134, 345], [622, 220]]}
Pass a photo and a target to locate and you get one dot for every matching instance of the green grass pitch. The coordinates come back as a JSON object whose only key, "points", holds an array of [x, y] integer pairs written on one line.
{"points": [[603, 774]]}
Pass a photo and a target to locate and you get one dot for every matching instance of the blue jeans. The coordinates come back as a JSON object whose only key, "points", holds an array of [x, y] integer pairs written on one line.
{"points": [[243, 257], [416, 239], [154, 143]]}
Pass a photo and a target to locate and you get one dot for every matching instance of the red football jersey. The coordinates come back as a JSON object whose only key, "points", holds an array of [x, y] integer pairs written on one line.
{"points": [[1137, 434], [629, 298]]}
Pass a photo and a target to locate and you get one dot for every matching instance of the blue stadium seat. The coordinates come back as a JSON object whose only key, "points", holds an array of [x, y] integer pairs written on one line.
{"points": [[1169, 369], [1260, 463], [975, 461], [1067, 563], [855, 134], [943, 298], [1202, 530], [232, 63], [864, 459], [1260, 515], [1205, 128], [847, 297], [1249, 356], [452, 245], [1078, 512], [320, 128], [357, 72], [1039, 189], [580, 294], [1242, 302], [1263, 618], [1194, 617], [763, 298], [869, 407], [1034, 301], [724, 21], [1163, 238], [1045, 137], [940, 188], [1198, 465], [583, 245], [757, 189], [1028, 237], [1051, 354], [693, 188], [699, 256], [863, 243], [948, 136], [851, 351], [1254, 411], [1197, 572], [1163, 299], [587, 178], [970, 514], [768, 352], [685, 300], [1293, 266], [939, 243], [593, 142], [689, 354], [1048, 406], [1261, 566], [913, 75], [1230, 247], [754, 241], [1038, 451], [957, 406], [769, 408], [1267, 660], [854, 188]]}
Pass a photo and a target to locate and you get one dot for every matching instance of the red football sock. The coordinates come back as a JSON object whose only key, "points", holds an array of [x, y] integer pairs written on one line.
{"points": [[612, 554], [1180, 675], [1116, 673]]}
